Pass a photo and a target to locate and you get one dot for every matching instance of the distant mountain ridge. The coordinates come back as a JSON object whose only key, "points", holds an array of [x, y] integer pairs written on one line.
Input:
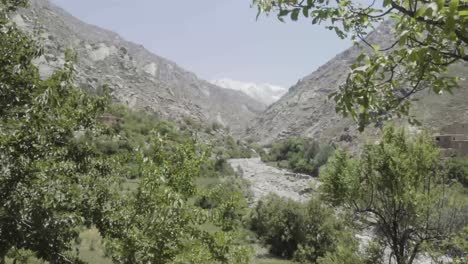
{"points": [[136, 76], [306, 111], [262, 92]]}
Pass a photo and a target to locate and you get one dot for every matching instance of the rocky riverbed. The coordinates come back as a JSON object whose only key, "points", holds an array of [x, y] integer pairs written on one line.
{"points": [[265, 179]]}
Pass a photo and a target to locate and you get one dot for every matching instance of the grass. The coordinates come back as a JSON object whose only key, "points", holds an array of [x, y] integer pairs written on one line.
{"points": [[91, 249], [271, 261], [207, 182]]}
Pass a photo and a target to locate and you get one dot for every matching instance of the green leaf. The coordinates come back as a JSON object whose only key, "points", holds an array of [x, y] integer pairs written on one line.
{"points": [[305, 12], [283, 12], [454, 6], [295, 14], [421, 12], [441, 4]]}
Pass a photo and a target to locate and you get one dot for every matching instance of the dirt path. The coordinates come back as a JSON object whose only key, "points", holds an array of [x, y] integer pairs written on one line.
{"points": [[266, 179]]}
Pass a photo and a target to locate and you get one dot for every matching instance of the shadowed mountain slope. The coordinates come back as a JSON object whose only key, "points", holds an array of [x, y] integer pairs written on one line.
{"points": [[306, 110]]}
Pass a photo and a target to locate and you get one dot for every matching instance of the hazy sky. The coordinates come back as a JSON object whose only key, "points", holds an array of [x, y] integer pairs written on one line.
{"points": [[216, 38]]}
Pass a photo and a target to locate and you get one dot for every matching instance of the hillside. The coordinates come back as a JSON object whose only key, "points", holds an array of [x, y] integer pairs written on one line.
{"points": [[306, 111], [136, 76]]}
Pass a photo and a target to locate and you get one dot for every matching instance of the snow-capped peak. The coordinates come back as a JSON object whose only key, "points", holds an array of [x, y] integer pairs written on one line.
{"points": [[265, 93]]}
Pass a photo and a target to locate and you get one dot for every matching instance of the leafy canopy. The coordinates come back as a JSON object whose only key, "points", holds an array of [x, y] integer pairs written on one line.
{"points": [[160, 223], [428, 37], [304, 232], [398, 186], [50, 183], [299, 154]]}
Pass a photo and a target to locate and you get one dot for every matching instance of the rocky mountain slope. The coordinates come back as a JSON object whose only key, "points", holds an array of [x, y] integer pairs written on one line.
{"points": [[136, 76], [306, 111], [265, 93]]}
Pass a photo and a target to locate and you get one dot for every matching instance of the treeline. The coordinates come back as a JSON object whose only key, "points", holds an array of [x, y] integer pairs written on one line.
{"points": [[302, 155]]}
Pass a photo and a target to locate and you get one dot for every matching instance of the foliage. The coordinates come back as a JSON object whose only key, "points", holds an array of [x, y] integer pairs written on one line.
{"points": [[58, 168], [193, 124], [454, 247], [235, 149], [398, 185], [343, 254], [304, 232], [428, 36], [50, 182], [159, 224], [299, 154], [458, 170], [130, 131], [215, 195], [230, 200]]}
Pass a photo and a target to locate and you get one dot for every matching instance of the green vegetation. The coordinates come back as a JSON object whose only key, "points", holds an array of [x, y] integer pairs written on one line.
{"points": [[160, 224], [225, 146], [235, 149], [50, 183], [398, 186], [458, 170], [401, 187], [429, 36], [64, 158], [293, 230], [85, 181], [299, 154]]}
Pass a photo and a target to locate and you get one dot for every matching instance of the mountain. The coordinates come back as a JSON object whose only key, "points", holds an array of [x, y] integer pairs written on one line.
{"points": [[136, 76], [305, 110], [264, 92]]}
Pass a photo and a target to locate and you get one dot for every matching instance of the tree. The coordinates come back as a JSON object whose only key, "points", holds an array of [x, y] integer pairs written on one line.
{"points": [[159, 223], [398, 185], [50, 183], [55, 180], [429, 36]]}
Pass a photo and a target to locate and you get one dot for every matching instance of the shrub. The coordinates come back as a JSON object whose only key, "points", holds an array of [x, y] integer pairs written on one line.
{"points": [[278, 223], [458, 170], [299, 154], [300, 231], [237, 149]]}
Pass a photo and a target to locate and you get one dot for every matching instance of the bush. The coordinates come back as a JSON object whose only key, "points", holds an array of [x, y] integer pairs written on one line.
{"points": [[299, 154], [278, 223], [223, 167], [458, 170], [300, 231], [229, 199], [237, 149]]}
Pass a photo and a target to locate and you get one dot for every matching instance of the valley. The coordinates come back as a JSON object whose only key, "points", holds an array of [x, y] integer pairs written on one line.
{"points": [[111, 153]]}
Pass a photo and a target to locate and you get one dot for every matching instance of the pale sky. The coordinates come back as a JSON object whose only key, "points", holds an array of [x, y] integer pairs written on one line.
{"points": [[216, 38]]}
